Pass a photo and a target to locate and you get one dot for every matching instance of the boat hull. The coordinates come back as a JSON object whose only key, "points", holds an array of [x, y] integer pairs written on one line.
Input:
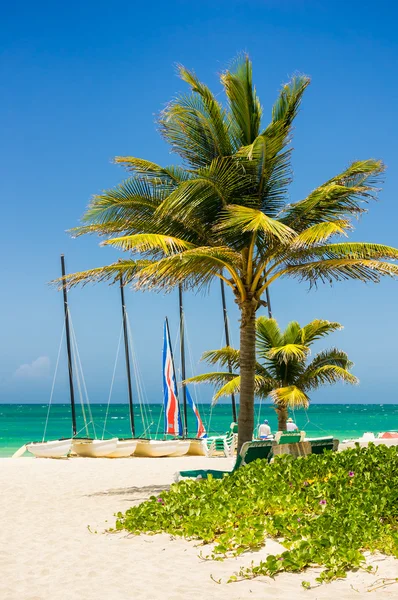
{"points": [[156, 448], [183, 447], [197, 448], [94, 448], [124, 449], [53, 449]]}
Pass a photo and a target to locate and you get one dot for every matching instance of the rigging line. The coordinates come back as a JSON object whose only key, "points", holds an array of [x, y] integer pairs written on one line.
{"points": [[84, 427], [160, 416], [77, 374], [84, 384], [113, 380], [53, 383], [137, 378], [197, 395], [259, 412]]}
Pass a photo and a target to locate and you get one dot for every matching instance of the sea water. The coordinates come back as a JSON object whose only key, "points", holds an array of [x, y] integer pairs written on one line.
{"points": [[22, 423]]}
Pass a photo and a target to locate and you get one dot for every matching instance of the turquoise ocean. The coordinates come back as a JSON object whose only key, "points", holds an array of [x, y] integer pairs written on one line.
{"points": [[22, 423]]}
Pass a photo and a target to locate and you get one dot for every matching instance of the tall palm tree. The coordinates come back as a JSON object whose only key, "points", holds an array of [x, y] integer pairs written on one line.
{"points": [[225, 213], [283, 372]]}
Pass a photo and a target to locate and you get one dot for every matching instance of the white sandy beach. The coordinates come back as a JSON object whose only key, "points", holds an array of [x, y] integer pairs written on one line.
{"points": [[48, 551]]}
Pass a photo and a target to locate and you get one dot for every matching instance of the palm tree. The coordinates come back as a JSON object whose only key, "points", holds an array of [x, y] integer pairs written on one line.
{"points": [[225, 213], [284, 373]]}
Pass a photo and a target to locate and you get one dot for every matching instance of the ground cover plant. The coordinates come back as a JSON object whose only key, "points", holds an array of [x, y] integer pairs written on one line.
{"points": [[325, 509]]}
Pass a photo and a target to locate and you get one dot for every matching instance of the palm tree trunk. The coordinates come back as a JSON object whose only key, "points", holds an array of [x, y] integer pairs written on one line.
{"points": [[247, 372], [282, 413]]}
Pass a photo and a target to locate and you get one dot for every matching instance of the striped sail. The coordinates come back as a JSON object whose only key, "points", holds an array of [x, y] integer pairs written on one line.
{"points": [[172, 417], [200, 428]]}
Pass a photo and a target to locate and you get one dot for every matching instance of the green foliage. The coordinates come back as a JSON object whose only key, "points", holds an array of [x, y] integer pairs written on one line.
{"points": [[327, 510], [286, 375]]}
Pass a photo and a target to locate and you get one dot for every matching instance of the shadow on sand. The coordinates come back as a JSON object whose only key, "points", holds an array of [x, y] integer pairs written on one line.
{"points": [[135, 494]]}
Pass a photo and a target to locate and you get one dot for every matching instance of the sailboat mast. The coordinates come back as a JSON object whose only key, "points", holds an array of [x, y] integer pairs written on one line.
{"points": [[182, 352], [68, 348], [127, 356], [225, 316], [268, 302]]}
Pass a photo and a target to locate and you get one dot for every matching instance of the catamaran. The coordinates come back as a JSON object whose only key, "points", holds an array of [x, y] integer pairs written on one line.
{"points": [[63, 447]]}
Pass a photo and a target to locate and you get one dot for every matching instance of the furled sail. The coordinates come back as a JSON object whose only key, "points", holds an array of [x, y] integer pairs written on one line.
{"points": [[172, 417], [200, 428]]}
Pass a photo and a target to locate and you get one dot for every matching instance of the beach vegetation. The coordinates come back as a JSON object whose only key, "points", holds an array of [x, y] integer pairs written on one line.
{"points": [[326, 510], [224, 210], [283, 371]]}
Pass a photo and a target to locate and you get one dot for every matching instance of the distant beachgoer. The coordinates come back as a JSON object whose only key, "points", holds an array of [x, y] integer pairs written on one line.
{"points": [[233, 428], [264, 430], [291, 425]]}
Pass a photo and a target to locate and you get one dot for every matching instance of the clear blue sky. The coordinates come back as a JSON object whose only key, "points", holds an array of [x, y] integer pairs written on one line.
{"points": [[83, 82]]}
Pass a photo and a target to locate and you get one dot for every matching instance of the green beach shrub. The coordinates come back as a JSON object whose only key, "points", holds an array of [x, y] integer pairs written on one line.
{"points": [[325, 509]]}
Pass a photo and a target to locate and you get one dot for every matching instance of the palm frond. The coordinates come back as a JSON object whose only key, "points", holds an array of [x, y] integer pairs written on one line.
{"points": [[318, 329], [288, 103], [350, 250], [262, 387], [151, 243], [214, 111], [342, 196], [321, 232], [128, 269], [292, 333], [290, 397], [341, 270], [226, 357], [327, 374], [216, 378], [152, 171], [192, 125], [192, 268], [268, 335], [333, 356], [288, 353], [244, 104], [236, 220], [206, 194]]}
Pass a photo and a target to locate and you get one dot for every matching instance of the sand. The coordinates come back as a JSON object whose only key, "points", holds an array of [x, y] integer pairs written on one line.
{"points": [[53, 546]]}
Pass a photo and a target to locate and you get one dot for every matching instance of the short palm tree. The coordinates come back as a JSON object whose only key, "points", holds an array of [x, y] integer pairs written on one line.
{"points": [[283, 372], [225, 213]]}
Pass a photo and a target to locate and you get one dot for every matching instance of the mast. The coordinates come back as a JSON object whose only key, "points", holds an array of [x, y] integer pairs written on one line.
{"points": [[68, 348], [268, 302], [182, 352], [225, 316], [127, 356]]}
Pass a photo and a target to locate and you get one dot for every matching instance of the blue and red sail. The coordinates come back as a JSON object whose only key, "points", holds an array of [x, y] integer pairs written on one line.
{"points": [[200, 428], [172, 415]]}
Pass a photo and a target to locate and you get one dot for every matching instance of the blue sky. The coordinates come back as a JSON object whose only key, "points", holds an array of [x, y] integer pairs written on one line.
{"points": [[83, 82]]}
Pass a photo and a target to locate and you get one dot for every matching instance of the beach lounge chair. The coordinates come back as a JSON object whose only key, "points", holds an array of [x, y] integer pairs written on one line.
{"points": [[318, 445], [225, 444], [250, 451], [289, 437]]}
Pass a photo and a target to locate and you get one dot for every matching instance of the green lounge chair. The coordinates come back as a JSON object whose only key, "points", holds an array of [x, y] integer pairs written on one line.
{"points": [[319, 445], [250, 451], [289, 437], [226, 444]]}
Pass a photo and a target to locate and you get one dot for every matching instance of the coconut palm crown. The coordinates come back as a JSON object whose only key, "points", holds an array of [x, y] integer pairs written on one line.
{"points": [[283, 370], [224, 211]]}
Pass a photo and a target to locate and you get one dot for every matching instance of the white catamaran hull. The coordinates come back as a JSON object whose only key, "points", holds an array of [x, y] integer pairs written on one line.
{"points": [[94, 448], [197, 448], [53, 449], [156, 448], [182, 448], [124, 449]]}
